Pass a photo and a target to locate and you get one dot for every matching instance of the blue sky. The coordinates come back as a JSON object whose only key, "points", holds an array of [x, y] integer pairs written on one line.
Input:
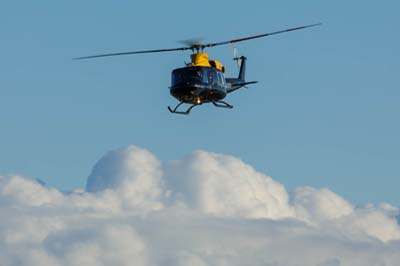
{"points": [[324, 113]]}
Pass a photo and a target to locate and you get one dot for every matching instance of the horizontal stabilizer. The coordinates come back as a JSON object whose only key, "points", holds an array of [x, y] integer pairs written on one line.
{"points": [[246, 83], [237, 86]]}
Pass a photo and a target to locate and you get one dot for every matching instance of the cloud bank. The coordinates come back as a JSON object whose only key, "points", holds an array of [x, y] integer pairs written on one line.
{"points": [[205, 209]]}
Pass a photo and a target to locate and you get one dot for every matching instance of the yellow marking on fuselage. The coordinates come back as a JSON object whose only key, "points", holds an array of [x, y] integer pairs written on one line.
{"points": [[201, 59]]}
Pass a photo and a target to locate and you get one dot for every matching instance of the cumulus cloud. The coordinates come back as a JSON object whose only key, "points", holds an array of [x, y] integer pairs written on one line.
{"points": [[318, 205], [134, 173], [205, 209], [225, 186]]}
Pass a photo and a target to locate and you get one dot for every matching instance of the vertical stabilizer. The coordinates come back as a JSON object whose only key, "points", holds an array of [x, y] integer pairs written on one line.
{"points": [[239, 82], [242, 70]]}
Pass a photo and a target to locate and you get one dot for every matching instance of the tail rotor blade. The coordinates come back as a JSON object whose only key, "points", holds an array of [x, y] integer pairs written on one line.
{"points": [[236, 58], [235, 53]]}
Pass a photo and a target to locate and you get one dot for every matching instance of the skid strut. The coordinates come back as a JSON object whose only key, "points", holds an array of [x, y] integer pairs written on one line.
{"points": [[174, 111]]}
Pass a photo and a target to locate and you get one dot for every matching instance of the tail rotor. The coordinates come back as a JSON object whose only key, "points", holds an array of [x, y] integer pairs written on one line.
{"points": [[237, 58]]}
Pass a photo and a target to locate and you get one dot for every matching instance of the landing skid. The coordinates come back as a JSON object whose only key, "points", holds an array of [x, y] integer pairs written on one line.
{"points": [[174, 111], [222, 104]]}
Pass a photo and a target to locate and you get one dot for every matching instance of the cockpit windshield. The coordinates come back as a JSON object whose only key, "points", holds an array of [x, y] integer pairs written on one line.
{"points": [[190, 74]]}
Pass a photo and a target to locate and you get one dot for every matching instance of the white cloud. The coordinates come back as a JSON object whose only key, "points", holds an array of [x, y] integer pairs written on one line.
{"points": [[134, 173], [225, 186], [102, 244], [26, 191], [318, 205], [206, 209]]}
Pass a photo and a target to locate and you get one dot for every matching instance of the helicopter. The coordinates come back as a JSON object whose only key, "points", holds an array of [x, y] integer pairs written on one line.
{"points": [[203, 80]]}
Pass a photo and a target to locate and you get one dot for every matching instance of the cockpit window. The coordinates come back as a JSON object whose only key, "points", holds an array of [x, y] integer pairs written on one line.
{"points": [[222, 78], [184, 75], [203, 75]]}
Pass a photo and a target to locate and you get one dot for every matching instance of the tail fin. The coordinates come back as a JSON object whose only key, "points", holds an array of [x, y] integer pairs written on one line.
{"points": [[242, 70], [239, 82], [241, 63]]}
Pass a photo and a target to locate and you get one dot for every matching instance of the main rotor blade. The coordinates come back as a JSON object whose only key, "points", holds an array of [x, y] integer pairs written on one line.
{"points": [[197, 46], [135, 52], [192, 41], [259, 36]]}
